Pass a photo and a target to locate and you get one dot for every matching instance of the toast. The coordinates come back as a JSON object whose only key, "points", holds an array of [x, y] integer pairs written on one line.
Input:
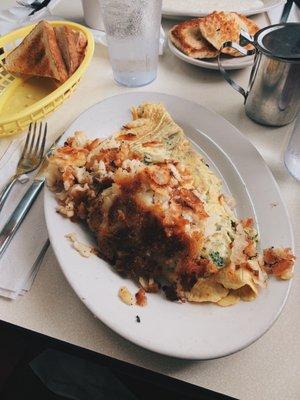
{"points": [[220, 27], [66, 39], [81, 44], [251, 25], [38, 55], [187, 37]]}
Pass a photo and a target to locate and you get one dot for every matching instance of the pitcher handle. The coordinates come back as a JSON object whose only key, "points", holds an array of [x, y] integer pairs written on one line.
{"points": [[225, 74]]}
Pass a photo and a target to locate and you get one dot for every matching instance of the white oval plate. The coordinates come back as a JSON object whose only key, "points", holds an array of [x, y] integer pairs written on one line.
{"points": [[228, 63], [177, 13], [191, 331]]}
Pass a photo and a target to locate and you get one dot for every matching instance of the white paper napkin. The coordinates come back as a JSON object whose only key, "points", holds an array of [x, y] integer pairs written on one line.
{"points": [[18, 265], [18, 16]]}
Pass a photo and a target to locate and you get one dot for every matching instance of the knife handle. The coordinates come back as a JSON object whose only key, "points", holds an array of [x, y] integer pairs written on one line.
{"points": [[286, 11], [16, 218]]}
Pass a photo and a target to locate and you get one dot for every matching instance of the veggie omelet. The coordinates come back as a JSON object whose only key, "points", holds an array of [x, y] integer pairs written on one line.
{"points": [[158, 213]]}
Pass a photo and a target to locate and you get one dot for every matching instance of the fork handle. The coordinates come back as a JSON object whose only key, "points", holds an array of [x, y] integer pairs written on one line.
{"points": [[16, 218], [6, 190]]}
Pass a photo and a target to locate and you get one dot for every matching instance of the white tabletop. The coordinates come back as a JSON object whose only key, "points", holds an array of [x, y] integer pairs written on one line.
{"points": [[267, 369]]}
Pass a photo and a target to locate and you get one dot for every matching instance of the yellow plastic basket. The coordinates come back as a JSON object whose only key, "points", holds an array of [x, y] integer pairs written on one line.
{"points": [[23, 101]]}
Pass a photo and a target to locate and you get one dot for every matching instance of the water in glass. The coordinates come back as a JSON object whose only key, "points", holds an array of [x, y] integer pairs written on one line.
{"points": [[132, 30]]}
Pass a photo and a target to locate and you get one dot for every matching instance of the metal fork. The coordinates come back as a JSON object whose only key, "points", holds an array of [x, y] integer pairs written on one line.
{"points": [[31, 157]]}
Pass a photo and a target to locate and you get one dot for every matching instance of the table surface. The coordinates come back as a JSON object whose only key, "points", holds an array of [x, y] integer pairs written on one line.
{"points": [[267, 369]]}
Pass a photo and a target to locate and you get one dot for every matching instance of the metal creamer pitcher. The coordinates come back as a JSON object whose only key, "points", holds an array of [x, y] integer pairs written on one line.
{"points": [[273, 95]]}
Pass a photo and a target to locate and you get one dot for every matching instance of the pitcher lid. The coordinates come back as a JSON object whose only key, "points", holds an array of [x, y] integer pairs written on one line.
{"points": [[281, 40]]}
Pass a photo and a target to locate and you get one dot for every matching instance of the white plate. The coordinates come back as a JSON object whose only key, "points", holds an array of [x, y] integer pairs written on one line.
{"points": [[192, 331], [174, 12], [228, 63]]}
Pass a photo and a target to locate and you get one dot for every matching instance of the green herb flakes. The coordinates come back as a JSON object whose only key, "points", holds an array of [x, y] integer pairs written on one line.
{"points": [[147, 159], [217, 259]]}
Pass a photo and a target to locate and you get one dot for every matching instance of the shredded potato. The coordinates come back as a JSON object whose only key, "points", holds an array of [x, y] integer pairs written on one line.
{"points": [[126, 296]]}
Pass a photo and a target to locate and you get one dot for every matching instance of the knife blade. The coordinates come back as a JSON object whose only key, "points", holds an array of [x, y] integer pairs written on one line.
{"points": [[14, 221], [286, 11]]}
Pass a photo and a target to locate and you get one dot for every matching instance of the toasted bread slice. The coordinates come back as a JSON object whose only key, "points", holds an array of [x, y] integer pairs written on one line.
{"points": [[67, 43], [220, 27], [251, 25], [81, 43], [187, 37], [38, 55]]}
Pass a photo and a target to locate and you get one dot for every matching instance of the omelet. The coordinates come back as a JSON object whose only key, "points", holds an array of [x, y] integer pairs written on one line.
{"points": [[158, 213]]}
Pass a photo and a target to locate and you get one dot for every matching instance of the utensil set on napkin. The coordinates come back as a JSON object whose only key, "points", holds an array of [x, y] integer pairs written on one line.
{"points": [[20, 258]]}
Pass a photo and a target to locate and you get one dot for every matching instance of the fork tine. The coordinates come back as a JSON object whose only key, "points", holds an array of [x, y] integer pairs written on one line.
{"points": [[37, 145], [43, 141], [27, 140], [32, 139]]}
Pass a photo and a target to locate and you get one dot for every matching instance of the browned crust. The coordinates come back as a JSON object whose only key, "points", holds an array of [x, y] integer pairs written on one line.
{"points": [[140, 297], [187, 37], [67, 43], [139, 240], [38, 55], [55, 52], [29, 57], [251, 25], [220, 27], [136, 242], [81, 44], [279, 262]]}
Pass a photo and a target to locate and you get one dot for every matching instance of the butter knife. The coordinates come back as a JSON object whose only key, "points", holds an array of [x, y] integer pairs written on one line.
{"points": [[286, 11], [20, 212]]}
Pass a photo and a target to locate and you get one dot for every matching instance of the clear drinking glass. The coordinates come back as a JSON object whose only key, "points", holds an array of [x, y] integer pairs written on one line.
{"points": [[292, 153], [132, 32]]}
